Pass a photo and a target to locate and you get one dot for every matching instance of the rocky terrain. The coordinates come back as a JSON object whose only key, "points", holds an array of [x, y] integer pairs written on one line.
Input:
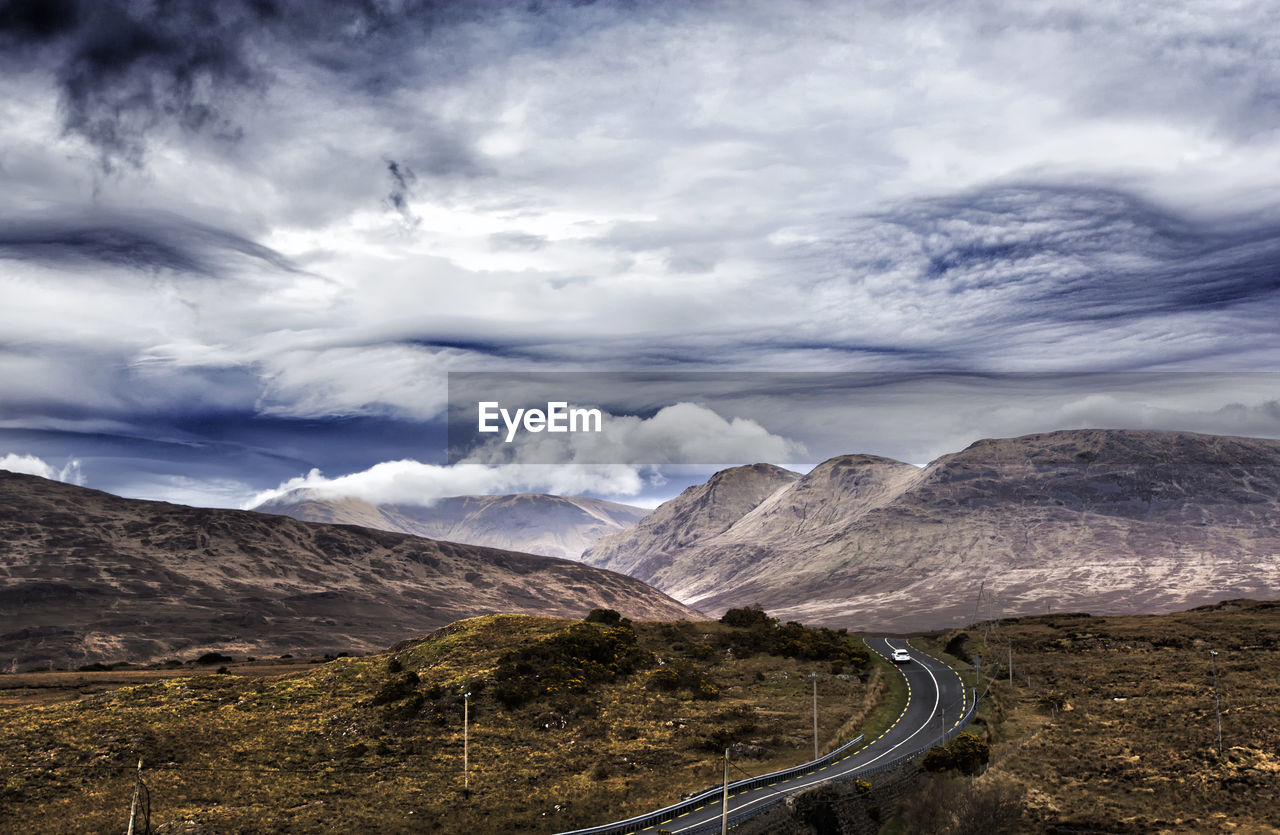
{"points": [[697, 514], [536, 523], [1104, 521], [86, 576]]}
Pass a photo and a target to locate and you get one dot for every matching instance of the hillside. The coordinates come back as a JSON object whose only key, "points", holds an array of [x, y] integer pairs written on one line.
{"points": [[86, 576], [616, 719], [698, 513], [535, 523], [1093, 520], [1110, 723]]}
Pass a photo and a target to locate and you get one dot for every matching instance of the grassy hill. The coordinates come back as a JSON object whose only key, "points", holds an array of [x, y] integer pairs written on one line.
{"points": [[572, 723], [1109, 725]]}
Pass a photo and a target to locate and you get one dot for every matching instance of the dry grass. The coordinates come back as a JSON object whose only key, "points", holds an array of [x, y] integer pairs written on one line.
{"points": [[310, 752], [1110, 723]]}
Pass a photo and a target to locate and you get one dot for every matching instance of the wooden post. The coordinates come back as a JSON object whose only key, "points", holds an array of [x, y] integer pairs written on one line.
{"points": [[137, 796], [724, 800], [466, 741]]}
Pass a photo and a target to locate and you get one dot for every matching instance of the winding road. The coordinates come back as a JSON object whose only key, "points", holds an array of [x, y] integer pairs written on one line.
{"points": [[936, 701]]}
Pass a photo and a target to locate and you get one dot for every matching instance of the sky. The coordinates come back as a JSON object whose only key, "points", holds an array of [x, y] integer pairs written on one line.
{"points": [[244, 244]]}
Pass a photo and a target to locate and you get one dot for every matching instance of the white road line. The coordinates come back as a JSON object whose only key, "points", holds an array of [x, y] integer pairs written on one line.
{"points": [[793, 787]]}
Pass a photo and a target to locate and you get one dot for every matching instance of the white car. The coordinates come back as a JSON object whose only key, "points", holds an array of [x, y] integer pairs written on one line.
{"points": [[900, 656]]}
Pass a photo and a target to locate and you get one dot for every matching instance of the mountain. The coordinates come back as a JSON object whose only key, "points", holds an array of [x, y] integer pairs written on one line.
{"points": [[1105, 521], [87, 576], [700, 512], [556, 526]]}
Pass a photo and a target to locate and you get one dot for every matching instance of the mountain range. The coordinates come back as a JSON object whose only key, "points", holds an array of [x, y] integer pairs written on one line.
{"points": [[87, 576], [536, 523], [1104, 521]]}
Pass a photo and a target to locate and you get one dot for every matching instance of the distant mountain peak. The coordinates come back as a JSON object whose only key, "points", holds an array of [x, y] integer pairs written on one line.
{"points": [[536, 523], [1099, 520], [87, 576]]}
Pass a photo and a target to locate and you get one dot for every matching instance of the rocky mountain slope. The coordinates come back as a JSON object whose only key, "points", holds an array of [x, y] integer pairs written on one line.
{"points": [[700, 512], [87, 576], [1104, 521], [536, 523]]}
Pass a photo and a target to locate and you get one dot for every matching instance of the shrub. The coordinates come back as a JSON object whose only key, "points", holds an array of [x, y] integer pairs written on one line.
{"points": [[568, 662], [400, 687], [407, 709], [956, 647], [747, 617], [664, 680], [706, 691], [756, 632], [721, 738], [609, 617], [937, 759], [682, 676], [967, 753], [214, 658]]}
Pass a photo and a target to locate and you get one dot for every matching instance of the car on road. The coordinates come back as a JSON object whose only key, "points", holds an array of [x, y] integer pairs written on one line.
{"points": [[901, 656]]}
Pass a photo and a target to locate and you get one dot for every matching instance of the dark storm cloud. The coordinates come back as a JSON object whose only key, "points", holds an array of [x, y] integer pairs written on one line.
{"points": [[402, 182], [125, 70], [1015, 256], [147, 243], [803, 185]]}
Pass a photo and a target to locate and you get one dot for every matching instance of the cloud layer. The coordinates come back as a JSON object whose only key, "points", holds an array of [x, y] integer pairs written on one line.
{"points": [[252, 211]]}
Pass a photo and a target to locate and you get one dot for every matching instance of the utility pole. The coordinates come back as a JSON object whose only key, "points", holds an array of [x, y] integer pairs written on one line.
{"points": [[137, 796], [977, 667], [724, 800], [942, 724], [977, 604], [1010, 666], [466, 741], [1213, 659], [814, 676]]}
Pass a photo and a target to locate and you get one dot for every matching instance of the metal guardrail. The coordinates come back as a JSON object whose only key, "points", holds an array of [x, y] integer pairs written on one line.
{"points": [[746, 814], [631, 825], [676, 809]]}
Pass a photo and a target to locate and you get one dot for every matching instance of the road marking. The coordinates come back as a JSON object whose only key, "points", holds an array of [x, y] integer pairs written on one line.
{"points": [[798, 785]]}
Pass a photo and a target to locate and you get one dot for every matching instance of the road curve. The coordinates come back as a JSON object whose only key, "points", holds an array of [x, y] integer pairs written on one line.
{"points": [[936, 702]]}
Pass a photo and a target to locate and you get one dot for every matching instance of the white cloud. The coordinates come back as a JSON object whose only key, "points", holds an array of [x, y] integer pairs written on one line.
{"points": [[31, 465], [415, 483], [683, 433], [641, 185], [621, 461]]}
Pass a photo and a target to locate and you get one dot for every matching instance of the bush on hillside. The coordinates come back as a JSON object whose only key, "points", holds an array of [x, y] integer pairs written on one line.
{"points": [[568, 662]]}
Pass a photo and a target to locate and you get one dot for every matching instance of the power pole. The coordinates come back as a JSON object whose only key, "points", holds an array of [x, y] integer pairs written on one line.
{"points": [[137, 796], [1213, 659], [1010, 666], [814, 676], [977, 604], [466, 740], [724, 800]]}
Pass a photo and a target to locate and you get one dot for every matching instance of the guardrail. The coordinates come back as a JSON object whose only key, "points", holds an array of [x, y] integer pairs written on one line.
{"points": [[631, 825], [650, 818], [878, 768]]}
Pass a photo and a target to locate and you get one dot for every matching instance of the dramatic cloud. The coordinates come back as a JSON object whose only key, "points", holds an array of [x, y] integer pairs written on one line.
{"points": [[415, 483], [310, 214], [31, 465], [620, 461]]}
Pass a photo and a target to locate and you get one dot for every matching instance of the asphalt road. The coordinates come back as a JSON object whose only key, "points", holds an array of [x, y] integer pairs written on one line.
{"points": [[936, 700]]}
